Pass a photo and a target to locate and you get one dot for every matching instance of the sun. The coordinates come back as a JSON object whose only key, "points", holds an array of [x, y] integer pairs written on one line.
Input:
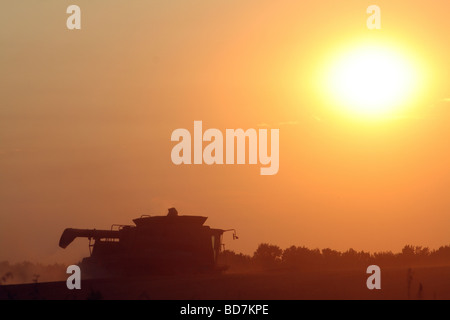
{"points": [[371, 81]]}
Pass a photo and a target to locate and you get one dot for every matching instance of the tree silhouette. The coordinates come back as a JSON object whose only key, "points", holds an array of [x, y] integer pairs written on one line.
{"points": [[270, 256], [267, 255]]}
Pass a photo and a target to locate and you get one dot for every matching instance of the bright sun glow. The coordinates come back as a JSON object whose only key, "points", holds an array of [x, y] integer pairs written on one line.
{"points": [[371, 81]]}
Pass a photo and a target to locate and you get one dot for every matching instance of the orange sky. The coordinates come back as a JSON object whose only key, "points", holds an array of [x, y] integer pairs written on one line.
{"points": [[86, 118]]}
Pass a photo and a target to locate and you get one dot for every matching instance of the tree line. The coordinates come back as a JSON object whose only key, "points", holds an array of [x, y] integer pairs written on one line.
{"points": [[268, 256]]}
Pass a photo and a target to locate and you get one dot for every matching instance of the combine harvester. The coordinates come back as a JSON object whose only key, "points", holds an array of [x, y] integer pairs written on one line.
{"points": [[168, 244]]}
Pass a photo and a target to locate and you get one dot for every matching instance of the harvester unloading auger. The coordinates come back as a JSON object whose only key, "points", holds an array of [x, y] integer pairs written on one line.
{"points": [[155, 244]]}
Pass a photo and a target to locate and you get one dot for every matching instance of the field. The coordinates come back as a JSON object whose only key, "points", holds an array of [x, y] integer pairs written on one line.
{"points": [[426, 283]]}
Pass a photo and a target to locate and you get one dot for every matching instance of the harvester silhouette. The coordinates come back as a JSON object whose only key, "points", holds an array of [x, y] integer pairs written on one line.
{"points": [[154, 245]]}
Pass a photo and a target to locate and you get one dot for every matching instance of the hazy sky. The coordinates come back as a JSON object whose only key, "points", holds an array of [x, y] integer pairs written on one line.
{"points": [[86, 118]]}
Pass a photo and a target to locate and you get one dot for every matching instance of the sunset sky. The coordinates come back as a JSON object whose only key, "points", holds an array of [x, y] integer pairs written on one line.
{"points": [[86, 118]]}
